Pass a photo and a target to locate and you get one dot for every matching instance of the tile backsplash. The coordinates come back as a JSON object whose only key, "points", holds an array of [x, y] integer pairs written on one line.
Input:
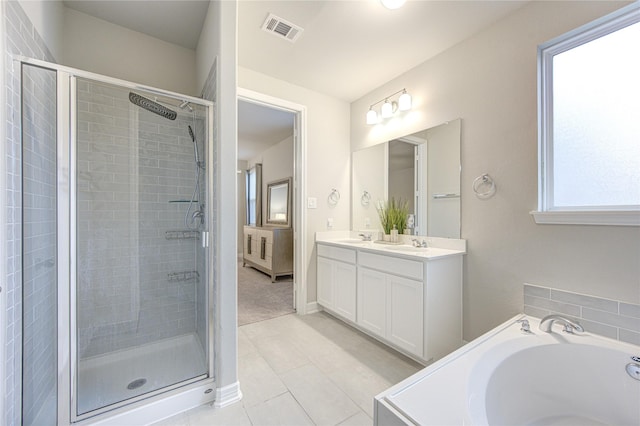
{"points": [[610, 318]]}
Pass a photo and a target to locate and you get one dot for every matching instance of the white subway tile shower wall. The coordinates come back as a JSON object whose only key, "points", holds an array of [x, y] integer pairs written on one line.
{"points": [[21, 39], [609, 318], [39, 244], [131, 164]]}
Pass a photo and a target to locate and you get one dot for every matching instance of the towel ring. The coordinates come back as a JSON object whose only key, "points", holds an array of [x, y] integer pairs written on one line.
{"points": [[334, 197], [365, 199], [481, 181]]}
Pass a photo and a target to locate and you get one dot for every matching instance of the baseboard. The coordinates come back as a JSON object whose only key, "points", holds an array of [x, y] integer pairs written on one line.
{"points": [[312, 308], [228, 395]]}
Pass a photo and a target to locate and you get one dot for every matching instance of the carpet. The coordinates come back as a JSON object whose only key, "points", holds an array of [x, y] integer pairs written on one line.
{"points": [[259, 299]]}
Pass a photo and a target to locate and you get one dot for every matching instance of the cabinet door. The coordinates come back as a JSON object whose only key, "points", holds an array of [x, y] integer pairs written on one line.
{"points": [[345, 290], [372, 295], [405, 314], [324, 281]]}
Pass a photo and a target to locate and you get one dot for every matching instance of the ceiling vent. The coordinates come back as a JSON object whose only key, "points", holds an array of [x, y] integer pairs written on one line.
{"points": [[281, 28]]}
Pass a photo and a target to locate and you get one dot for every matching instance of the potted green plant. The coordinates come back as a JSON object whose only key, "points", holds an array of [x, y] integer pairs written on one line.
{"points": [[392, 213]]}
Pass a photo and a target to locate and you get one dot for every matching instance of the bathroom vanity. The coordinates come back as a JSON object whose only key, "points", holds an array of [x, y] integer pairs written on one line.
{"points": [[407, 297]]}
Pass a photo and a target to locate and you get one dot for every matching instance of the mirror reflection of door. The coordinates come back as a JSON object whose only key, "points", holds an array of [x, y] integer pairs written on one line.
{"points": [[402, 173]]}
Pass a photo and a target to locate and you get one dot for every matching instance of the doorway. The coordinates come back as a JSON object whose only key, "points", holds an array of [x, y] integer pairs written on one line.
{"points": [[270, 149], [266, 165]]}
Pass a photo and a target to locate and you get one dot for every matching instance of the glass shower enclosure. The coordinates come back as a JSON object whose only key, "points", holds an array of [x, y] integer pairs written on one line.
{"points": [[126, 196]]}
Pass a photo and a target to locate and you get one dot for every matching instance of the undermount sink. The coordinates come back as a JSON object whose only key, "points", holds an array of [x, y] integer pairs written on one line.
{"points": [[352, 241], [406, 248]]}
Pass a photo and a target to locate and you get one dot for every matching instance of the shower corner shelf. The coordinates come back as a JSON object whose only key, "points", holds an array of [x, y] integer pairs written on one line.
{"points": [[183, 276], [182, 234]]}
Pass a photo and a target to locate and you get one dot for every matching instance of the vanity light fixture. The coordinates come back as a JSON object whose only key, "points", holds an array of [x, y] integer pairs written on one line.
{"points": [[392, 4], [389, 107], [404, 101], [372, 116]]}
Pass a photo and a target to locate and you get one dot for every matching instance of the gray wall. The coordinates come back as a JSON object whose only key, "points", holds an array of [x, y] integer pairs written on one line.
{"points": [[490, 81]]}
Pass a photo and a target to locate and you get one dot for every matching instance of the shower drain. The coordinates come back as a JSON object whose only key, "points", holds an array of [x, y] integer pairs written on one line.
{"points": [[136, 384]]}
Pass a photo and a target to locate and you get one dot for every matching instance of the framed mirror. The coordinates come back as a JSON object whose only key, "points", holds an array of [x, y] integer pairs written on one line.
{"points": [[422, 168], [279, 202]]}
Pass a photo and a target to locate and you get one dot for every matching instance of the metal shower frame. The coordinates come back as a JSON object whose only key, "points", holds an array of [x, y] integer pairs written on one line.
{"points": [[192, 392]]}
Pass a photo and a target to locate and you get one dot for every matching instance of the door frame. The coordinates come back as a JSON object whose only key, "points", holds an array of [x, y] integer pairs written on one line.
{"points": [[299, 187]]}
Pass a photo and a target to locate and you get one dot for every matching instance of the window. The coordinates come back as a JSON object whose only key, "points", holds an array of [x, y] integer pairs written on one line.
{"points": [[253, 193], [251, 197], [589, 123]]}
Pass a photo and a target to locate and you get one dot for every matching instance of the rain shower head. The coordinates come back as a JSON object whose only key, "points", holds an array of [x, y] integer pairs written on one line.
{"points": [[152, 106]]}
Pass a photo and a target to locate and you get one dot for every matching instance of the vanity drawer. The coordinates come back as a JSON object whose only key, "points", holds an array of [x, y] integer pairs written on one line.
{"points": [[392, 265], [337, 253]]}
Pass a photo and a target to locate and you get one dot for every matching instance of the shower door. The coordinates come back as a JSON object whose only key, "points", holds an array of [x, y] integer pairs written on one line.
{"points": [[138, 232]]}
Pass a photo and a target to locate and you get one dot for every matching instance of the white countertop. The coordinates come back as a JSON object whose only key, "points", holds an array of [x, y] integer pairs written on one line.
{"points": [[437, 247]]}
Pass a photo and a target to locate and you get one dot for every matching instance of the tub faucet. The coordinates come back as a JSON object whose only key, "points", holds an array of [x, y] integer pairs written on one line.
{"points": [[569, 326]]}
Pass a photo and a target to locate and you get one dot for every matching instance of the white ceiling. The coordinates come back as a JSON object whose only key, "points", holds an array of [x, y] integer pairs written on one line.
{"points": [[347, 48], [260, 127]]}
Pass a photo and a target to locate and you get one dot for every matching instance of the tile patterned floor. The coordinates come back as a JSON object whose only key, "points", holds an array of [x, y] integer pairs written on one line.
{"points": [[305, 370]]}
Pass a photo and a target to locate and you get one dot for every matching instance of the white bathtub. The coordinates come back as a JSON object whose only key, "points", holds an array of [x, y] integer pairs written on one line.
{"points": [[507, 377]]}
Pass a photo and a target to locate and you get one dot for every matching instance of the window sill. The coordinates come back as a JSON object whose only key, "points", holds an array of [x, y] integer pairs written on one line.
{"points": [[611, 218]]}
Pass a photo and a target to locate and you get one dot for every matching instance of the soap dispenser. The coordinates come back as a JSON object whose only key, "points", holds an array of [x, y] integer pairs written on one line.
{"points": [[394, 234]]}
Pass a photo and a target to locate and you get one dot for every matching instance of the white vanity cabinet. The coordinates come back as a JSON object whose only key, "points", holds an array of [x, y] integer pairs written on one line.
{"points": [[390, 300], [413, 303], [336, 279]]}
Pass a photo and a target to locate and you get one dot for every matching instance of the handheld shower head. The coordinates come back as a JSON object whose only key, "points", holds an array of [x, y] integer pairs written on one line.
{"points": [[196, 157]]}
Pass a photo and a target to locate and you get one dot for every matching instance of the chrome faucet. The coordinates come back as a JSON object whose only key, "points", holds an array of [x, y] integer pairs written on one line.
{"points": [[417, 243], [524, 325], [365, 237], [569, 325]]}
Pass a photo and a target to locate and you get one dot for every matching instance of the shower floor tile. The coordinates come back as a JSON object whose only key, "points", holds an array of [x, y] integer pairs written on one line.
{"points": [[107, 379]]}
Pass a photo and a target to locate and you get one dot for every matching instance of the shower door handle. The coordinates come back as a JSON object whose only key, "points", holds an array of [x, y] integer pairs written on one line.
{"points": [[205, 239]]}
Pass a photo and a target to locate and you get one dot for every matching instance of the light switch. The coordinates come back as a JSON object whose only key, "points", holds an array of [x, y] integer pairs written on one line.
{"points": [[312, 203], [329, 222]]}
